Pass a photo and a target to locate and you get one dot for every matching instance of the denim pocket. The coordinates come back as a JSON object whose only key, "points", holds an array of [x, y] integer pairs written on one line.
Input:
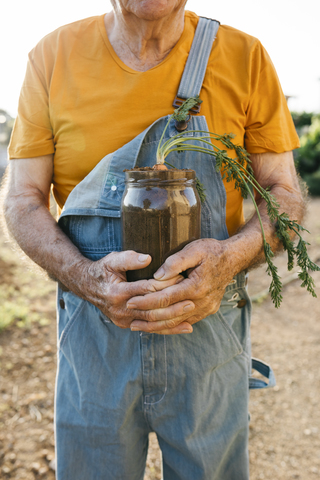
{"points": [[104, 319], [212, 344], [73, 306], [76, 310], [235, 309]]}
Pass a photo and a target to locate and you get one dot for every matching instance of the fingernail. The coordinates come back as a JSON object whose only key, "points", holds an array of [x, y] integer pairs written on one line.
{"points": [[135, 329], [188, 307], [131, 305], [159, 274], [142, 258], [186, 331]]}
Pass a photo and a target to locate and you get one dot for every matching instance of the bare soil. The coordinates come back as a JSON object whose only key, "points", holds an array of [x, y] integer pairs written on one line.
{"points": [[285, 420]]}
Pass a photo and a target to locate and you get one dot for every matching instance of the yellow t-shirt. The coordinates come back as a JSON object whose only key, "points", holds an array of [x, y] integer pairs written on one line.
{"points": [[81, 102]]}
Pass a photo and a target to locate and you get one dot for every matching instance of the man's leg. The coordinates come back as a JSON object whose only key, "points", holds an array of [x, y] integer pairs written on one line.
{"points": [[201, 418], [208, 439], [101, 432]]}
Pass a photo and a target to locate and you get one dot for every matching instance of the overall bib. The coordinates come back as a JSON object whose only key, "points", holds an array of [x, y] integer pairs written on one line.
{"points": [[115, 386]]}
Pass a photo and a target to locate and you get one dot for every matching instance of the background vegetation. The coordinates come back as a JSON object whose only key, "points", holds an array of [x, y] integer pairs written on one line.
{"points": [[308, 156]]}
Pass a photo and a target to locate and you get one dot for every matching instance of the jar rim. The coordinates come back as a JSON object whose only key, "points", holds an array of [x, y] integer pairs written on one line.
{"points": [[171, 174]]}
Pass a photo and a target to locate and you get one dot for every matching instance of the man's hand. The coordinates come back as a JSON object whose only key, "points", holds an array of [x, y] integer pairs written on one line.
{"points": [[209, 272], [104, 284]]}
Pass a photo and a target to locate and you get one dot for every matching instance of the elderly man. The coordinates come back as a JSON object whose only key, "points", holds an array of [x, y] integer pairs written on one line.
{"points": [[91, 88]]}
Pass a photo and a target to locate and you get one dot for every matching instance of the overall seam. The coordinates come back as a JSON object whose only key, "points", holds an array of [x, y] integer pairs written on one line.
{"points": [[66, 330], [166, 376]]}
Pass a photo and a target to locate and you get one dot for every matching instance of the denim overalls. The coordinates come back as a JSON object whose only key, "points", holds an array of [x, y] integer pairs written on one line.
{"points": [[115, 386]]}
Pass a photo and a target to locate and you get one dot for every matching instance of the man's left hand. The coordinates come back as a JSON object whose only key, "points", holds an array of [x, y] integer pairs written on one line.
{"points": [[209, 272]]}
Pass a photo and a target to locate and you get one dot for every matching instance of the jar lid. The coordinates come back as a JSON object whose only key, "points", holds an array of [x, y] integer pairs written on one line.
{"points": [[148, 173]]}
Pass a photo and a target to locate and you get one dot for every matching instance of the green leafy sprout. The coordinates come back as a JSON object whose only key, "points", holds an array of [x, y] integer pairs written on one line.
{"points": [[240, 171]]}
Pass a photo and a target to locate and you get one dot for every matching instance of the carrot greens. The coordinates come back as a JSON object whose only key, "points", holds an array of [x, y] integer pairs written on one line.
{"points": [[240, 171]]}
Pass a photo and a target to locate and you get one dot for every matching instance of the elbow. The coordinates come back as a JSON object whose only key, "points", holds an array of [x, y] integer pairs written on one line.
{"points": [[15, 207], [296, 204], [8, 208], [297, 201], [5, 201]]}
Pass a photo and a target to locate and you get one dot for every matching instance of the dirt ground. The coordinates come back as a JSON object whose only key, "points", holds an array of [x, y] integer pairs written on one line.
{"points": [[285, 420]]}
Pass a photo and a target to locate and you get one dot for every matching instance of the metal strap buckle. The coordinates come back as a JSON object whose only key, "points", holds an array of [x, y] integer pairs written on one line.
{"points": [[179, 101]]}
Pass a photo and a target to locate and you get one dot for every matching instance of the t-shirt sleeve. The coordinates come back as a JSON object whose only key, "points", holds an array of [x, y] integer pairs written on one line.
{"points": [[269, 126], [32, 132]]}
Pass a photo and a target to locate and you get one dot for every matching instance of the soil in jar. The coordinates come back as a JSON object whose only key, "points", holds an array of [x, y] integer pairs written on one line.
{"points": [[160, 219]]}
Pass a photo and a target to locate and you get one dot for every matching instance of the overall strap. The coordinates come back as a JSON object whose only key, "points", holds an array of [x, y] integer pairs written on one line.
{"points": [[195, 68], [266, 371]]}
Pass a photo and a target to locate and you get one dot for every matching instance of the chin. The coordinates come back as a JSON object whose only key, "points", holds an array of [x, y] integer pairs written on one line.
{"points": [[154, 9]]}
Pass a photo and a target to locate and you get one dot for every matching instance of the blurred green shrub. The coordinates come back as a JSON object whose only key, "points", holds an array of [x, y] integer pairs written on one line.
{"points": [[301, 119], [308, 156]]}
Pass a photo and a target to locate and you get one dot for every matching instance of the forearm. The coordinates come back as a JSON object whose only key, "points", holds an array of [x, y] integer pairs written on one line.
{"points": [[246, 247], [39, 236]]}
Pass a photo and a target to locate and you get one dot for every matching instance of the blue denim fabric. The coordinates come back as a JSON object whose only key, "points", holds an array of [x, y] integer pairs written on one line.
{"points": [[115, 386], [193, 75]]}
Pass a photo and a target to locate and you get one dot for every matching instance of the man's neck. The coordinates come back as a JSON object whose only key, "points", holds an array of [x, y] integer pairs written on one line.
{"points": [[143, 44]]}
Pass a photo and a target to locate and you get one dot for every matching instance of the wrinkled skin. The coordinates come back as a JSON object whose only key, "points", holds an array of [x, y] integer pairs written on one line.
{"points": [[107, 288], [206, 262]]}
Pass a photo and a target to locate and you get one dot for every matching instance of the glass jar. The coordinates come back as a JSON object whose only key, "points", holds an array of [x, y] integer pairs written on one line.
{"points": [[160, 215]]}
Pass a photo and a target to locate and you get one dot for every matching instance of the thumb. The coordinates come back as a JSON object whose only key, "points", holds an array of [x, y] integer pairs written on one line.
{"points": [[177, 263], [128, 260]]}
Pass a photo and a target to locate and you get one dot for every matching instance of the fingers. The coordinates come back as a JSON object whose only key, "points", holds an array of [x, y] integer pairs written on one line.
{"points": [[160, 319], [176, 312], [159, 285], [170, 320], [141, 288], [188, 257], [161, 328], [183, 327], [118, 295], [184, 290], [159, 322]]}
